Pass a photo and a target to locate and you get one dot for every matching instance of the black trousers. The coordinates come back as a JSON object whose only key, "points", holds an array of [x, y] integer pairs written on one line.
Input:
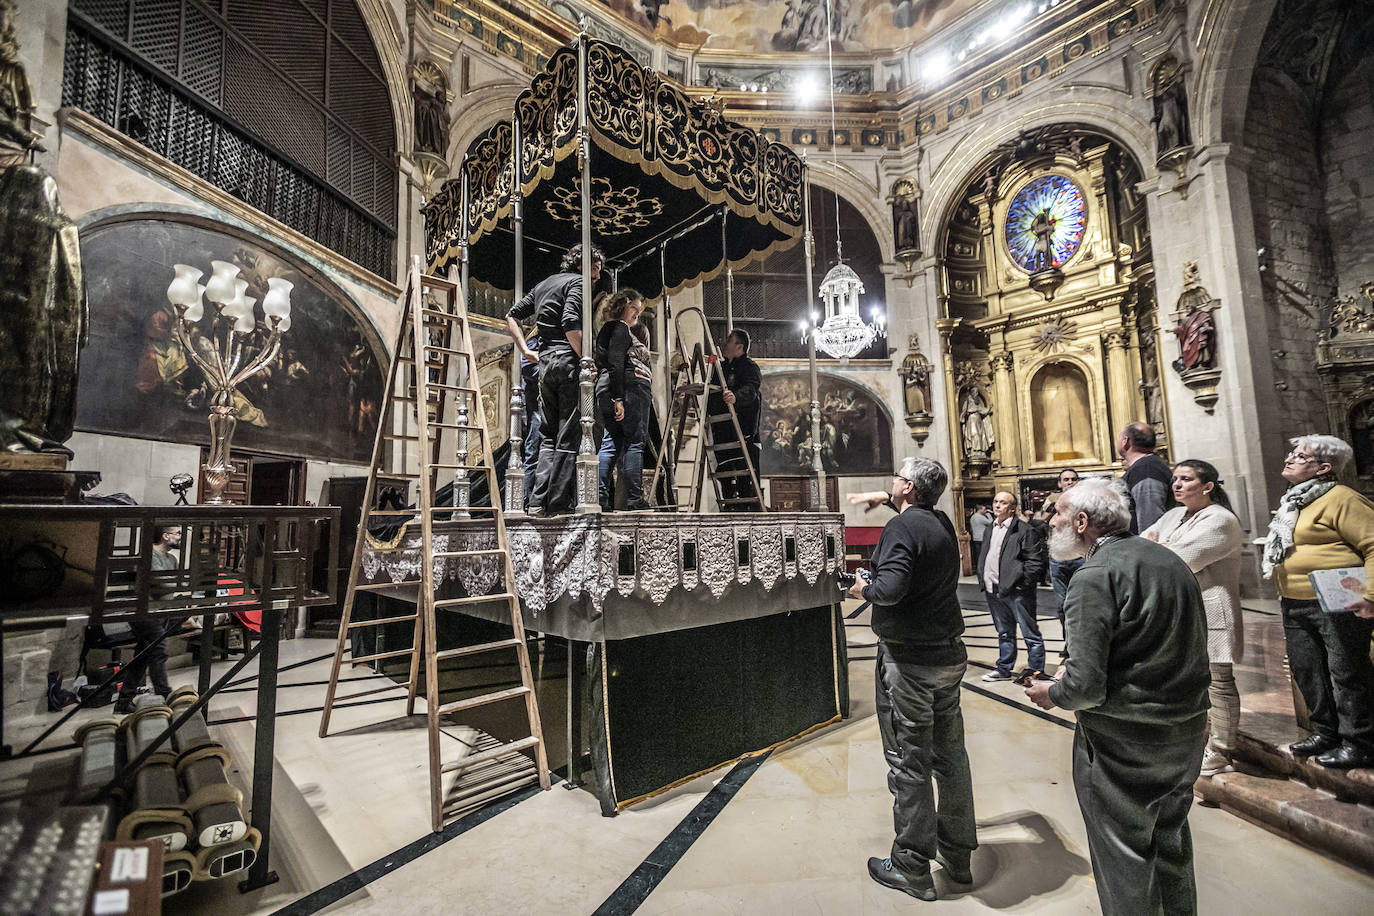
{"points": [[923, 742], [731, 461], [1135, 797], [560, 431], [154, 664], [1329, 657]]}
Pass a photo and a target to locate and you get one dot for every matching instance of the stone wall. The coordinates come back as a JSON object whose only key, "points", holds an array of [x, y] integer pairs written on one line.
{"points": [[1292, 229], [1348, 166]]}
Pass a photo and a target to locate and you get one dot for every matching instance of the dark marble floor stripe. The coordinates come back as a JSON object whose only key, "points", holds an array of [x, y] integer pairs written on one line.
{"points": [[634, 890], [348, 884]]}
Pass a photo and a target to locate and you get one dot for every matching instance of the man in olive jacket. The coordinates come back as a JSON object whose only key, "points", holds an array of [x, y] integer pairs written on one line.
{"points": [[1136, 676]]}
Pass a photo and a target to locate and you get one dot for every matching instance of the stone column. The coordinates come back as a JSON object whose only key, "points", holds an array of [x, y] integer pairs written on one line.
{"points": [[1007, 413], [1120, 385]]}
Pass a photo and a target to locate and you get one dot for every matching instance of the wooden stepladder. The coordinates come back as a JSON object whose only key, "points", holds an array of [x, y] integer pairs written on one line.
{"points": [[689, 437], [433, 413]]}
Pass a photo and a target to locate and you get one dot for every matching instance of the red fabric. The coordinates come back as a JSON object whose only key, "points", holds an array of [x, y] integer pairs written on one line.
{"points": [[861, 536]]}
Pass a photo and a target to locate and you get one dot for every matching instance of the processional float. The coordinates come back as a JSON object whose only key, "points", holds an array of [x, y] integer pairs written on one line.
{"points": [[676, 194]]}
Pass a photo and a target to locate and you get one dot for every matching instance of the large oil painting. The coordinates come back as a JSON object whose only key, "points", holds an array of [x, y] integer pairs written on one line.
{"points": [[856, 430], [320, 398]]}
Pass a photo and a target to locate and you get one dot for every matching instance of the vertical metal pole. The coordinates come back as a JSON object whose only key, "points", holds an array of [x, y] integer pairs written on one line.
{"points": [[729, 274], [463, 229], [264, 746], [588, 497], [515, 467], [818, 480]]}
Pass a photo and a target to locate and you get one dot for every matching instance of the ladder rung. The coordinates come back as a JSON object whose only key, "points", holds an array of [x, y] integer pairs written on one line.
{"points": [[472, 391], [384, 475], [474, 599], [366, 693], [718, 417], [481, 647], [400, 438], [490, 754], [740, 500], [373, 658], [380, 621], [468, 509], [431, 348], [719, 474], [722, 446], [452, 554], [450, 316], [483, 700], [381, 586], [457, 467], [410, 512]]}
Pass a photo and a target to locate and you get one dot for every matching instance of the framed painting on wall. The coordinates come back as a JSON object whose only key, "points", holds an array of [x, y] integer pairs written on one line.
{"points": [[856, 428]]}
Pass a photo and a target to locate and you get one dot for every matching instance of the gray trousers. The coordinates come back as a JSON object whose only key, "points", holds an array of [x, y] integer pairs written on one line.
{"points": [[923, 741], [1135, 797]]}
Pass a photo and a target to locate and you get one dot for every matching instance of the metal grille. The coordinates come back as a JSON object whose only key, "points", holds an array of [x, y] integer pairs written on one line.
{"points": [[132, 97], [202, 55], [111, 15], [275, 110]]}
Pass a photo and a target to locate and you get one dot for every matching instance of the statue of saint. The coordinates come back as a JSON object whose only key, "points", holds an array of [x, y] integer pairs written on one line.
{"points": [[975, 417], [915, 374], [1195, 333], [905, 231], [1043, 229], [431, 121], [43, 322]]}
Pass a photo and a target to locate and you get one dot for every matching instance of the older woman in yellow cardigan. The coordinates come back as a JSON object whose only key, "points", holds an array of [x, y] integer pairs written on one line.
{"points": [[1323, 524]]}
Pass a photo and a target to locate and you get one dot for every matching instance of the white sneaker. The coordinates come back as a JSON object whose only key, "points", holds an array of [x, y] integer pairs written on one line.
{"points": [[995, 675], [1214, 764]]}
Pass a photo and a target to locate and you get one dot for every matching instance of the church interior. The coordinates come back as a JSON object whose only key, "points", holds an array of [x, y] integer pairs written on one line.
{"points": [[302, 419]]}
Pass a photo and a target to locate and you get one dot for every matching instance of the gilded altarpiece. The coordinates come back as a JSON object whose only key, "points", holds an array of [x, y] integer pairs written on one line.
{"points": [[1045, 294]]}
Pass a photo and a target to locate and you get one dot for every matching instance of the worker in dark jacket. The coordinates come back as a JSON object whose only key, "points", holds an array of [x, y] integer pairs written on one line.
{"points": [[921, 661], [742, 383], [1136, 676], [1009, 568], [556, 304]]}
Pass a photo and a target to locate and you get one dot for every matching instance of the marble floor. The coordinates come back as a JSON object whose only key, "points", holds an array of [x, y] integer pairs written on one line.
{"points": [[350, 812]]}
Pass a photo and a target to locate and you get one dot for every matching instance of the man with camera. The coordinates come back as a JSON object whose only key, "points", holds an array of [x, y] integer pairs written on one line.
{"points": [[921, 661]]}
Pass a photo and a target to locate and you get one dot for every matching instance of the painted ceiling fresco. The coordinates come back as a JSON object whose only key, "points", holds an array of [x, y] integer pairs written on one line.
{"points": [[789, 25]]}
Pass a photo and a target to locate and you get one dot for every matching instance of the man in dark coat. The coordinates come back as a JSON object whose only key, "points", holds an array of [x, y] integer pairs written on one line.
{"points": [[1010, 566], [1136, 676], [1149, 481], [921, 662], [742, 383], [556, 304]]}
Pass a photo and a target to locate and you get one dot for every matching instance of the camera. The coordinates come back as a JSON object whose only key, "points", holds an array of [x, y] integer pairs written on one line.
{"points": [[846, 580]]}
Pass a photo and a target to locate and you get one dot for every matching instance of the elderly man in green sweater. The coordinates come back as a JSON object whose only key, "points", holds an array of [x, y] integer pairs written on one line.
{"points": [[1136, 676]]}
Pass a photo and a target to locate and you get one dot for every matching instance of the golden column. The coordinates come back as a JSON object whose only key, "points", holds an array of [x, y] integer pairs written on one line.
{"points": [[1008, 416], [1121, 388]]}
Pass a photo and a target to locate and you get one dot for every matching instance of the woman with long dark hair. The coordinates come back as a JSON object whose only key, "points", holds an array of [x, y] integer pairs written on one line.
{"points": [[1206, 535], [623, 397]]}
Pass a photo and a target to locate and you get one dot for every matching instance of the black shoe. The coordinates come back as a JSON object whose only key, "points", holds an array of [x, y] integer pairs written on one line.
{"points": [[956, 873], [1346, 757], [123, 707], [881, 870], [1313, 744]]}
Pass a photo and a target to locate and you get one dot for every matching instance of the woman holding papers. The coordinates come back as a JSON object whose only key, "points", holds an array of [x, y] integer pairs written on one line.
{"points": [[1206, 535], [1323, 524]]}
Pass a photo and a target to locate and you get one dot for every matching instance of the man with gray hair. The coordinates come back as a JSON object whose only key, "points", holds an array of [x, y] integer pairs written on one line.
{"points": [[1136, 676], [921, 661]]}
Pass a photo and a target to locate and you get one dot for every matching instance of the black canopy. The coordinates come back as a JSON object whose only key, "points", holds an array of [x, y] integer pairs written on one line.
{"points": [[666, 171]]}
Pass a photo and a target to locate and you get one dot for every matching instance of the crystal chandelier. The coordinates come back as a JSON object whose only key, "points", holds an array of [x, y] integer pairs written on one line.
{"points": [[844, 333]]}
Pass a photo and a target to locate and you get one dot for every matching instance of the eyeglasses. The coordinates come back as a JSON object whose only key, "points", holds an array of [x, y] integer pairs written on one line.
{"points": [[1298, 456], [900, 477]]}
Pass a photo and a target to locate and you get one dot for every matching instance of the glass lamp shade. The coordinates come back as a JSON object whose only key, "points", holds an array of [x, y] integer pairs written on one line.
{"points": [[277, 302], [284, 324], [184, 289], [840, 290], [221, 287], [196, 310], [246, 322]]}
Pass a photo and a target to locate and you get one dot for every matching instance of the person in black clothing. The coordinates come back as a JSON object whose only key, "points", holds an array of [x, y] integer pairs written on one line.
{"points": [[921, 661], [529, 382], [1010, 566], [1149, 481], [623, 397], [742, 381], [149, 632], [556, 304]]}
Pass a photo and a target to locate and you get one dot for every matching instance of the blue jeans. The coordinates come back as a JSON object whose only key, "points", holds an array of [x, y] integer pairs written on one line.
{"points": [[534, 419], [1007, 612], [626, 445], [1060, 574]]}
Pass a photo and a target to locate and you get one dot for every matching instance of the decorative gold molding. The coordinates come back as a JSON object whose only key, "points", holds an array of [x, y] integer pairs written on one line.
{"points": [[138, 155]]}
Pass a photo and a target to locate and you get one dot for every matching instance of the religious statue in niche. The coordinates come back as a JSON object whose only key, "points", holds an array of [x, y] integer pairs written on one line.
{"points": [[431, 118], [1173, 132], [915, 375], [17, 136], [1195, 328], [975, 421], [906, 235]]}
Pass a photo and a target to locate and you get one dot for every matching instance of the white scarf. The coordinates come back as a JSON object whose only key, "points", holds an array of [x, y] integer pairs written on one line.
{"points": [[1280, 540]]}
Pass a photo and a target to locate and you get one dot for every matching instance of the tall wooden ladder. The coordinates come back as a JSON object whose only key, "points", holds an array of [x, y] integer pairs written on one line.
{"points": [[689, 440], [433, 414]]}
